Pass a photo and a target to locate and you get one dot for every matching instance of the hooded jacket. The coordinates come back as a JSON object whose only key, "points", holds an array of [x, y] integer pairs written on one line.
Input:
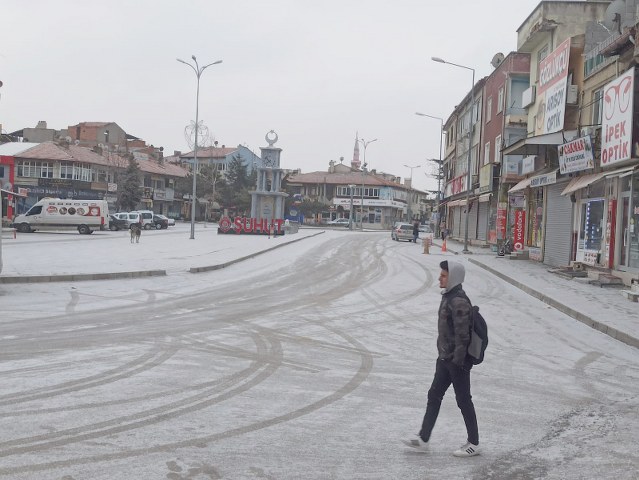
{"points": [[454, 318]]}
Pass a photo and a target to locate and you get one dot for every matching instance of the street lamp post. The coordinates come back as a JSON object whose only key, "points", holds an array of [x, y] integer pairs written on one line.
{"points": [[439, 171], [198, 73], [351, 187], [364, 144], [470, 144], [410, 213]]}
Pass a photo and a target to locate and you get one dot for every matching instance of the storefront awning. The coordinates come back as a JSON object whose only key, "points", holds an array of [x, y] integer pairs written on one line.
{"points": [[622, 172], [520, 186], [453, 203], [583, 181], [531, 145]]}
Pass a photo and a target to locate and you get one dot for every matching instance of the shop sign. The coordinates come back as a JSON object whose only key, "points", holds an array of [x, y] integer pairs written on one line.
{"points": [[251, 226], [616, 122], [520, 225], [534, 253], [543, 180], [528, 164], [501, 221], [551, 90], [112, 187], [576, 155], [516, 200], [458, 184]]}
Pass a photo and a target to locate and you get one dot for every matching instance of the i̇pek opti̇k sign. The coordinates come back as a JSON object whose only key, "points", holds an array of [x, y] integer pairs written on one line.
{"points": [[251, 226], [616, 121]]}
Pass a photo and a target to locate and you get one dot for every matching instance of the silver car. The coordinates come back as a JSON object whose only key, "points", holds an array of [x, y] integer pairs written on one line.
{"points": [[402, 231]]}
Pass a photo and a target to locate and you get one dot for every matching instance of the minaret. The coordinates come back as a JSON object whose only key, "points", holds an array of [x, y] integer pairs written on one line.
{"points": [[356, 163]]}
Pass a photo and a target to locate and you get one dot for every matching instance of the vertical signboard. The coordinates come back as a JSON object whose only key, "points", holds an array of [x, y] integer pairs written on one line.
{"points": [[616, 122], [520, 227], [502, 211], [551, 90]]}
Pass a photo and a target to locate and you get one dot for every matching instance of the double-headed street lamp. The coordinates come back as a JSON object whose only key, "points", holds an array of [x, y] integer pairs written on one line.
{"points": [[470, 144], [198, 73], [364, 144], [410, 213], [439, 170]]}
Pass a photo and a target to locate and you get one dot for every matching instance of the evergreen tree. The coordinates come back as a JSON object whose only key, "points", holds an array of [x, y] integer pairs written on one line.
{"points": [[129, 188]]}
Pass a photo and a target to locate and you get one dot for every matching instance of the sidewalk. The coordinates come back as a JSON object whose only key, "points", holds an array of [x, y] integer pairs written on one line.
{"points": [[604, 309]]}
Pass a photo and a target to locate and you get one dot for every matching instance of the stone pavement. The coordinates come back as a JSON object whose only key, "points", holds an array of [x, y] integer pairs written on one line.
{"points": [[602, 308]]}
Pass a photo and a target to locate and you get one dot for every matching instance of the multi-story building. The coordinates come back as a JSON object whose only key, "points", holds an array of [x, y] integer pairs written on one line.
{"points": [[379, 199], [219, 158], [554, 37], [66, 170]]}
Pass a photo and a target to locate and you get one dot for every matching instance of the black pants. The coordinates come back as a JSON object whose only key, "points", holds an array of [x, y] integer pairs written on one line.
{"points": [[445, 374]]}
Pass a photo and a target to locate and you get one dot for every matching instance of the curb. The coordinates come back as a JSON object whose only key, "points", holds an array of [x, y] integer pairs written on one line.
{"points": [[585, 319], [219, 266], [73, 277]]}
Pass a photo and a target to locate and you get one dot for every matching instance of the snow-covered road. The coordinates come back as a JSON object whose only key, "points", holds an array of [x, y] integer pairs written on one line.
{"points": [[310, 361]]}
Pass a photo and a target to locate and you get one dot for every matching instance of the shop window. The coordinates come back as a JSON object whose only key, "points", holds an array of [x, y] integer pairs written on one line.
{"points": [[536, 218], [591, 231]]}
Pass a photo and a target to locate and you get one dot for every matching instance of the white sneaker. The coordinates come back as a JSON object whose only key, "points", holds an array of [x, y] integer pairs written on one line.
{"points": [[468, 450], [417, 444]]}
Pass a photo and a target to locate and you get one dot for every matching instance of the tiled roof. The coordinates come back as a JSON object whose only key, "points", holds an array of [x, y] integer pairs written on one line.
{"points": [[211, 152], [355, 178], [166, 168], [73, 153], [94, 124]]}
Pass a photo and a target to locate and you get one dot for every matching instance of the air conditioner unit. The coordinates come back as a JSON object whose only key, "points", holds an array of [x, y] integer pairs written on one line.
{"points": [[528, 96], [572, 95], [592, 131]]}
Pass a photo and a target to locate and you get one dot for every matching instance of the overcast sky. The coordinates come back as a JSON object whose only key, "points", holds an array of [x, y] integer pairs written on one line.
{"points": [[316, 72]]}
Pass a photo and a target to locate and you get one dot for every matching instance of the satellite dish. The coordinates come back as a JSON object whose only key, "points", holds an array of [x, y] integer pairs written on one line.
{"points": [[7, 186], [77, 142], [619, 14], [68, 139], [497, 59]]}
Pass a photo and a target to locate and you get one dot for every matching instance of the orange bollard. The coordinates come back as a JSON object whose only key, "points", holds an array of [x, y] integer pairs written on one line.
{"points": [[444, 245]]}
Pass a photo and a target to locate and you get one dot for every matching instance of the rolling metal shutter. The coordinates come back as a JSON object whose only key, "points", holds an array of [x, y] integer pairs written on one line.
{"points": [[457, 223], [558, 234], [472, 220], [482, 226]]}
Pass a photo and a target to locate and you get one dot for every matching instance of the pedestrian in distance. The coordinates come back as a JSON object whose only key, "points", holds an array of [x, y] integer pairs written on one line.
{"points": [[415, 231], [453, 364]]}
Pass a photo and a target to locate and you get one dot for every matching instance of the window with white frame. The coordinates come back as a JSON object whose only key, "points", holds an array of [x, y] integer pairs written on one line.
{"points": [[46, 170], [597, 106], [486, 153], [500, 99], [27, 169], [66, 171], [82, 172], [489, 109], [498, 149]]}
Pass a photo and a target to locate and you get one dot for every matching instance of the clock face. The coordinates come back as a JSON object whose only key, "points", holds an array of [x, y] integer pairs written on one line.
{"points": [[269, 161]]}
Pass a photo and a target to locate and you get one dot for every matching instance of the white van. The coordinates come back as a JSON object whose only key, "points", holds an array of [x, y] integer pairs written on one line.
{"points": [[64, 214]]}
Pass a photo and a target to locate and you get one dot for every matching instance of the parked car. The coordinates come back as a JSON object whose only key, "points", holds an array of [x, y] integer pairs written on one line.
{"points": [[128, 217], [160, 221], [169, 221], [147, 218], [341, 222], [402, 231], [117, 223], [425, 232]]}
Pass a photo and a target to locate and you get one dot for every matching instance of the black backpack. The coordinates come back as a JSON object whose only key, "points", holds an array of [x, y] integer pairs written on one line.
{"points": [[478, 337]]}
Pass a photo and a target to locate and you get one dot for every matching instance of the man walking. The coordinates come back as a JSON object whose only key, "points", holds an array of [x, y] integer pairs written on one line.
{"points": [[453, 365]]}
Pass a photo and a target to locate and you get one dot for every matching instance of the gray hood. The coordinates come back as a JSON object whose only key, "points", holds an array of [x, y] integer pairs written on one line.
{"points": [[456, 274]]}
